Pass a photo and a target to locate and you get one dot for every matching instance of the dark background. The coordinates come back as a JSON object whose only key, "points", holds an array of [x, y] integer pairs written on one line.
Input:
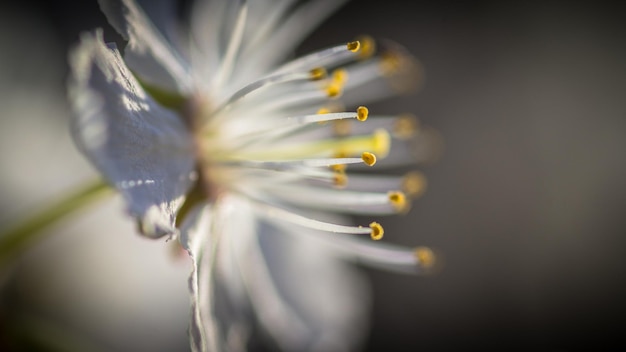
{"points": [[527, 202]]}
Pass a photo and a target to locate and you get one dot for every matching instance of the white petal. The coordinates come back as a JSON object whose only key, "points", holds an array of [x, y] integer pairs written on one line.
{"points": [[201, 244], [148, 53], [140, 147], [330, 297], [268, 304]]}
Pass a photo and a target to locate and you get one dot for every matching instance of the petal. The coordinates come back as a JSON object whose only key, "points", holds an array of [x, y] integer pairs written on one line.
{"points": [[220, 309], [140, 147], [148, 53], [329, 296], [304, 298], [199, 243]]}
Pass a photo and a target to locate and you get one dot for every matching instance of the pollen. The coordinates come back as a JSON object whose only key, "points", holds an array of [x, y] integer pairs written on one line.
{"points": [[354, 46], [368, 158], [318, 73], [398, 200], [361, 113], [377, 231], [368, 46], [425, 257], [414, 184], [405, 127]]}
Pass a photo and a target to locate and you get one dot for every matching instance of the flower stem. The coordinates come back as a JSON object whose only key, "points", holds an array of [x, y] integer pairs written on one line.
{"points": [[18, 237]]}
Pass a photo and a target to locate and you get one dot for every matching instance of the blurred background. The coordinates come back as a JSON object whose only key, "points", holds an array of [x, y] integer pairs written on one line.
{"points": [[526, 204]]}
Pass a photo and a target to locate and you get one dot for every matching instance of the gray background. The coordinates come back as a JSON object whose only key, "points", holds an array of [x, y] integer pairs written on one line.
{"points": [[526, 204]]}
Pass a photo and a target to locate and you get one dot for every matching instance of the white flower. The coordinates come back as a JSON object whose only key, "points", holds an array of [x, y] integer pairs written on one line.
{"points": [[213, 137]]}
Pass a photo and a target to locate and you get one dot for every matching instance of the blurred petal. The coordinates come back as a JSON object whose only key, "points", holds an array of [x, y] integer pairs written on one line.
{"points": [[304, 297], [200, 244], [143, 149], [148, 53], [330, 297]]}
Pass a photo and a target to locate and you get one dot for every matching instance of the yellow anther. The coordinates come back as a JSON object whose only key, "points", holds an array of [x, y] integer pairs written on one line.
{"points": [[414, 184], [340, 76], [368, 46], [377, 231], [425, 256], [361, 113], [398, 200], [318, 73], [340, 179], [405, 127], [368, 158], [334, 90], [354, 46], [342, 127]]}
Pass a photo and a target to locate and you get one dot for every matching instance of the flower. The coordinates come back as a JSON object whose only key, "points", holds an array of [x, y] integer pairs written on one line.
{"points": [[214, 138]]}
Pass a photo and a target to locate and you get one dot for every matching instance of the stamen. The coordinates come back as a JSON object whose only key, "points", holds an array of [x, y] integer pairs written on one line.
{"points": [[280, 165], [368, 158], [354, 46], [318, 73], [425, 256], [361, 113], [277, 213], [414, 184], [398, 200], [331, 57], [381, 255], [377, 231], [258, 85]]}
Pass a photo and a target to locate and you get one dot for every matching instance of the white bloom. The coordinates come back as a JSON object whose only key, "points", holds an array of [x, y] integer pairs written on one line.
{"points": [[214, 137]]}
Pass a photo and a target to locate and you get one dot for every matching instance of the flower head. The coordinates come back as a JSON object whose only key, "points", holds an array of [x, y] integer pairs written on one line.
{"points": [[216, 137]]}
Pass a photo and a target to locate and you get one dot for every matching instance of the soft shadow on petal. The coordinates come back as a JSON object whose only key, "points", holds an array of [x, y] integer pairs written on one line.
{"points": [[143, 149], [148, 53]]}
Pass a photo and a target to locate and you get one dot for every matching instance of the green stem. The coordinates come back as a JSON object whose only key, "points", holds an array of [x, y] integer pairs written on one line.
{"points": [[21, 235]]}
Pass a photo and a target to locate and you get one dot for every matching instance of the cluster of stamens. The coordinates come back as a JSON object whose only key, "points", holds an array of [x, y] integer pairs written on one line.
{"points": [[300, 160]]}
